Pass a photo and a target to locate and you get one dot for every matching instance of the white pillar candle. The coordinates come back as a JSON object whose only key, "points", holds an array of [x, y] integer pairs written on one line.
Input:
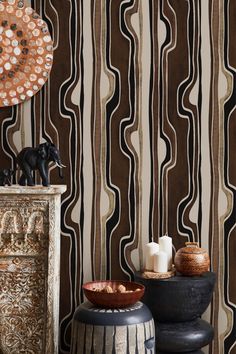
{"points": [[150, 249], [166, 246], [160, 260]]}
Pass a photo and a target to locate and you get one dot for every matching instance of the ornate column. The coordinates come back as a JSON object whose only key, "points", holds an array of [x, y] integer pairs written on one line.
{"points": [[29, 269]]}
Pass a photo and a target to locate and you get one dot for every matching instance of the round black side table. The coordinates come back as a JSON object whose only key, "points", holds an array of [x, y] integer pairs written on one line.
{"points": [[177, 304]]}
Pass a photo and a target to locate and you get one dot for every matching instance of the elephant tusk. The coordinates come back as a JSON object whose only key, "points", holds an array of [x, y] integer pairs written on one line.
{"points": [[60, 166]]}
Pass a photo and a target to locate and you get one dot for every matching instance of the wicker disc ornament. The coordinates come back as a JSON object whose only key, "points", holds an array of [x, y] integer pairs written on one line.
{"points": [[26, 52]]}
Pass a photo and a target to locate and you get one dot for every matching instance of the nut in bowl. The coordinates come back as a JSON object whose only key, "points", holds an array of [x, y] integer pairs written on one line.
{"points": [[113, 293]]}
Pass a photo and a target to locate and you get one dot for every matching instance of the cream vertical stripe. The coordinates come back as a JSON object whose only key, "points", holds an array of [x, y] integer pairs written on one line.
{"points": [[145, 156], [26, 125], [87, 153], [205, 143], [107, 88], [136, 255]]}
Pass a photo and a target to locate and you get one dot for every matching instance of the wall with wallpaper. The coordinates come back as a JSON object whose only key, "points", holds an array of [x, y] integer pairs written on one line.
{"points": [[141, 102]]}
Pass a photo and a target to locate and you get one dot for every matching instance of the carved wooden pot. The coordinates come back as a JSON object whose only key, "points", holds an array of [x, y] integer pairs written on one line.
{"points": [[192, 260]]}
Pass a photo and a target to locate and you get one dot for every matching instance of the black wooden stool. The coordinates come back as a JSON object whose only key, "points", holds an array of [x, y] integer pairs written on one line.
{"points": [[176, 305]]}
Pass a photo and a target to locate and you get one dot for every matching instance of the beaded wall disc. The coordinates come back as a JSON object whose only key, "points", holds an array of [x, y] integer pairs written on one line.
{"points": [[26, 52]]}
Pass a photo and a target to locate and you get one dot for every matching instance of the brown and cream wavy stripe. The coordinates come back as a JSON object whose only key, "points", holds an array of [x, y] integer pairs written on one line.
{"points": [[141, 103]]}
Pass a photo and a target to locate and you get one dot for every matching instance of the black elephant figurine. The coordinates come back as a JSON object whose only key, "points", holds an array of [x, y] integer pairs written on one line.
{"points": [[31, 159], [5, 176]]}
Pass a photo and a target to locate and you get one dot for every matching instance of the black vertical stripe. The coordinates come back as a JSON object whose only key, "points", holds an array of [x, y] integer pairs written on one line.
{"points": [[110, 107], [162, 116], [151, 202], [231, 219]]}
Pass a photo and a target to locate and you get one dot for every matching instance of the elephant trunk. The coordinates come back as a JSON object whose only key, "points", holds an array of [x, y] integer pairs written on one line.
{"points": [[59, 165], [60, 172]]}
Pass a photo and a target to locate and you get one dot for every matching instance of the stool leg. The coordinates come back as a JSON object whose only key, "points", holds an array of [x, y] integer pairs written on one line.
{"points": [[78, 338], [88, 339], [73, 336], [121, 339], [132, 338], [109, 339], [98, 339]]}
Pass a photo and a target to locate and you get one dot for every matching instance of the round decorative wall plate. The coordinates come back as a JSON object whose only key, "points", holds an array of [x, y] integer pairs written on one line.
{"points": [[26, 52]]}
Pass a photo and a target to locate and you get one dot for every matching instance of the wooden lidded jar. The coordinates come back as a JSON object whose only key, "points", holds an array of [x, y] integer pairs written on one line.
{"points": [[192, 260]]}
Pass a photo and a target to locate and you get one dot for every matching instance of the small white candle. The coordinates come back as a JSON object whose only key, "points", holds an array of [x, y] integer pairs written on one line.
{"points": [[150, 249], [160, 260], [166, 246]]}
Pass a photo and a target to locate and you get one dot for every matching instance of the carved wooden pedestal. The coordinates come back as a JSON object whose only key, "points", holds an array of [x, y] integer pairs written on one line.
{"points": [[29, 269]]}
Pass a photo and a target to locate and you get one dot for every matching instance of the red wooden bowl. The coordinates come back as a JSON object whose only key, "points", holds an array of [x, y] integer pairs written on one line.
{"points": [[113, 299]]}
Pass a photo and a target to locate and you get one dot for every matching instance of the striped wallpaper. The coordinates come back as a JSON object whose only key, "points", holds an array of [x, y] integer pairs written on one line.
{"points": [[141, 103]]}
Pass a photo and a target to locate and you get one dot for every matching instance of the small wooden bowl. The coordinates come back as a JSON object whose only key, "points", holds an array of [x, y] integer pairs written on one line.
{"points": [[114, 299]]}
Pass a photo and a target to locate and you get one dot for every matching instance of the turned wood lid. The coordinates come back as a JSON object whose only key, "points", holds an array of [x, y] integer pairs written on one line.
{"points": [[192, 248]]}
